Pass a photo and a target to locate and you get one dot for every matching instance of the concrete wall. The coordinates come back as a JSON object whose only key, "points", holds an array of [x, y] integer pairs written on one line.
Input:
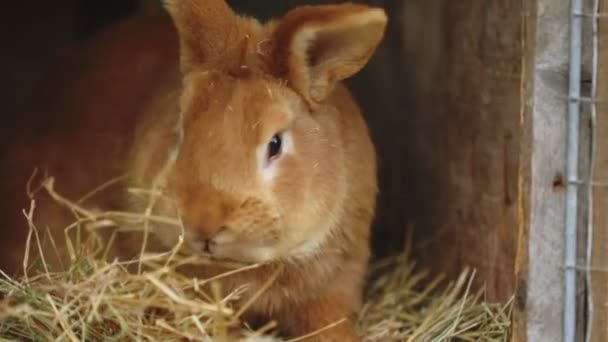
{"points": [[546, 110], [547, 115]]}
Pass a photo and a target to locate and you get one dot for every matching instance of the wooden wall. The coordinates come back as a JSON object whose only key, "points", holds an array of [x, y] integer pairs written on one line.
{"points": [[442, 97], [464, 139]]}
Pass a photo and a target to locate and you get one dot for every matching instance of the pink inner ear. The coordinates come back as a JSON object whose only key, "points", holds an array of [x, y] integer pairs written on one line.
{"points": [[333, 55], [328, 46], [347, 46], [319, 46]]}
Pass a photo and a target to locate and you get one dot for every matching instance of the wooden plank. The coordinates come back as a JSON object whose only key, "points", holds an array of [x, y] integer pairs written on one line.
{"points": [[467, 139], [598, 310], [528, 41]]}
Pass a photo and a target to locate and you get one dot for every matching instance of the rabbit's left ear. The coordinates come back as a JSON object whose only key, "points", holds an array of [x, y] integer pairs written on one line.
{"points": [[208, 32], [317, 46]]}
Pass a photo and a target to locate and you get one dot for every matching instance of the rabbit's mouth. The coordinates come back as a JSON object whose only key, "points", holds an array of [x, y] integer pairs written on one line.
{"points": [[242, 253], [224, 247]]}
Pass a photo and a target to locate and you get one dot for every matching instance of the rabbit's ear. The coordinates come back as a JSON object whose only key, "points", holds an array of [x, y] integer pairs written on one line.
{"points": [[317, 46], [208, 32]]}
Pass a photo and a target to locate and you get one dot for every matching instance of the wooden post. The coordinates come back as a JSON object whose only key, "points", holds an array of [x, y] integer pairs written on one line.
{"points": [[528, 48], [598, 310]]}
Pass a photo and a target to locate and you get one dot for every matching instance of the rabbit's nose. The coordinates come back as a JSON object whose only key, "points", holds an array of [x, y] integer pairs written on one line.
{"points": [[209, 243], [206, 223], [207, 230], [205, 237], [205, 213]]}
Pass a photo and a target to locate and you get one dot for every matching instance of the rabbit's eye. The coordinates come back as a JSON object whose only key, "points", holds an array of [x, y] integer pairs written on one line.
{"points": [[274, 146]]}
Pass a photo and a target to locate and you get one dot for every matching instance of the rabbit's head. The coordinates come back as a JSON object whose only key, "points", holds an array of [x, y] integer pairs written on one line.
{"points": [[260, 169]]}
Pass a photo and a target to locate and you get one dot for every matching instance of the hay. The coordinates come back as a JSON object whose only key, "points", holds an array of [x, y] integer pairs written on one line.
{"points": [[405, 304], [98, 300]]}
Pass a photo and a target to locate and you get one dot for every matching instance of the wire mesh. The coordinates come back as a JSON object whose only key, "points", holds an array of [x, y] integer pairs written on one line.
{"points": [[579, 19], [595, 15]]}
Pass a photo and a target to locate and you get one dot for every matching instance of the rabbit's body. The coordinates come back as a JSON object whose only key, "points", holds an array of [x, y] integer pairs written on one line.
{"points": [[248, 135]]}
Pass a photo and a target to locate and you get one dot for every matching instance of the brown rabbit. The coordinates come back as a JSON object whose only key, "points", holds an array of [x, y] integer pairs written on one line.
{"points": [[250, 137]]}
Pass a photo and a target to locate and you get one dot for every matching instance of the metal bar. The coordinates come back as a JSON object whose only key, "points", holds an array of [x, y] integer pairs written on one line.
{"points": [[576, 7]]}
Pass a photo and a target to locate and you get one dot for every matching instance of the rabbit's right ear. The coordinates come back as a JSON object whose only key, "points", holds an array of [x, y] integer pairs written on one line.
{"points": [[317, 46], [208, 32]]}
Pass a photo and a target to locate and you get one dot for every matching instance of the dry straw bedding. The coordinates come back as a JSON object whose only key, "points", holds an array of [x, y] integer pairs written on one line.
{"points": [[96, 300]]}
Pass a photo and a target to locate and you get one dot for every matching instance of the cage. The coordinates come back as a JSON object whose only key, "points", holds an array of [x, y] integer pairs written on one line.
{"points": [[488, 117]]}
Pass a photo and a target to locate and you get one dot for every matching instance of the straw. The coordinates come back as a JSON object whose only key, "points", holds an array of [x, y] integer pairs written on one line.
{"points": [[93, 299]]}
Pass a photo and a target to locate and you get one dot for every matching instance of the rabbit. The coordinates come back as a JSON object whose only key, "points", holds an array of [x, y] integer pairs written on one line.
{"points": [[251, 138]]}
